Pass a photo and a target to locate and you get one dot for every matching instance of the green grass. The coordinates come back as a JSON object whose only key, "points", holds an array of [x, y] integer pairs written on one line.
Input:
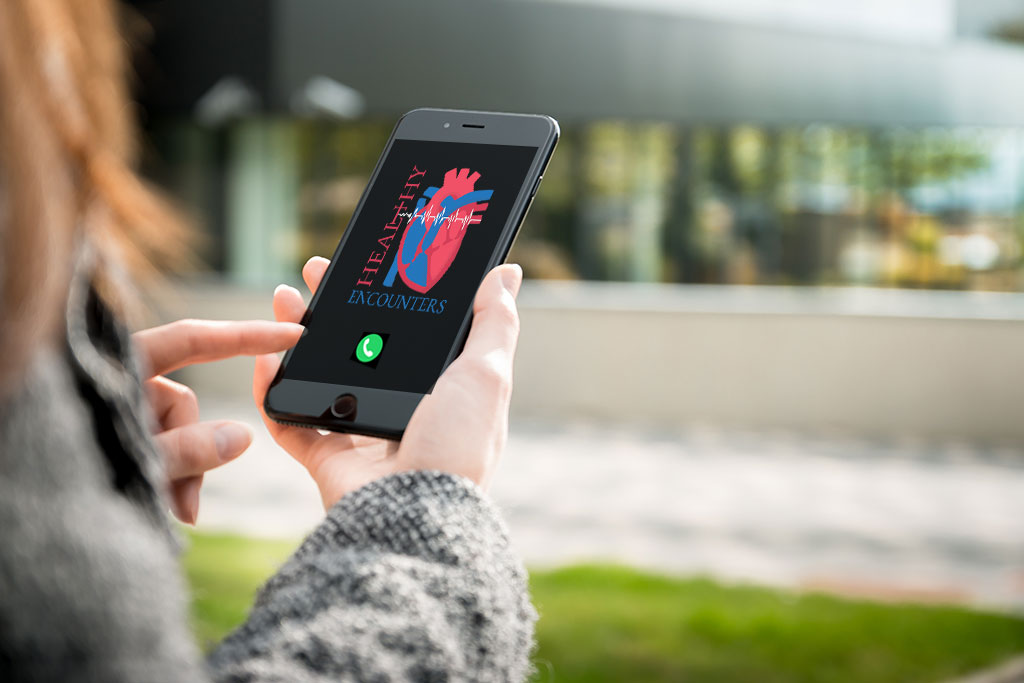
{"points": [[617, 624], [601, 623], [225, 571]]}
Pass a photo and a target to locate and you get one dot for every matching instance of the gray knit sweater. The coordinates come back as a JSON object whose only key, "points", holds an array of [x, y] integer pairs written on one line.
{"points": [[408, 578]]}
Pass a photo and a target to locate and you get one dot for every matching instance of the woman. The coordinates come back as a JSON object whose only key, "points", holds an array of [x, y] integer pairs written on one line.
{"points": [[409, 576]]}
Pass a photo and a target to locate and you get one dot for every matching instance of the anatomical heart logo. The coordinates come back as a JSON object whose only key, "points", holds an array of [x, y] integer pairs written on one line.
{"points": [[434, 234]]}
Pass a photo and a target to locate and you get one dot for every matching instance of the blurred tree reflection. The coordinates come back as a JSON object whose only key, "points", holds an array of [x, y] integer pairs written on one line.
{"points": [[730, 204]]}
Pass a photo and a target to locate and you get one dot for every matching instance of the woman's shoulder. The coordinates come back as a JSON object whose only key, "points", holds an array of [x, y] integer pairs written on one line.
{"points": [[83, 568], [77, 425], [47, 436]]}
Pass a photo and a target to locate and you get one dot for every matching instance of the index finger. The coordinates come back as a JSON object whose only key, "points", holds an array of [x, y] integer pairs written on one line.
{"points": [[186, 342]]}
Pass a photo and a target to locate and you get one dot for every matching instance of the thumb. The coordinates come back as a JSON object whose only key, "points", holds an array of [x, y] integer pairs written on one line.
{"points": [[495, 318]]}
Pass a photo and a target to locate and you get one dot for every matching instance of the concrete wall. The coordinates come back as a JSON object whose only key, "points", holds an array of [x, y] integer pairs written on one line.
{"points": [[868, 362]]}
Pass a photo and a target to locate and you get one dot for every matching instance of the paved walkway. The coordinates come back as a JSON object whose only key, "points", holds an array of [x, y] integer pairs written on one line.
{"points": [[900, 520]]}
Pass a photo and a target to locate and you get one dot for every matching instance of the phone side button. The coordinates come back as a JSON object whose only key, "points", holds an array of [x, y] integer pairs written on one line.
{"points": [[536, 186]]}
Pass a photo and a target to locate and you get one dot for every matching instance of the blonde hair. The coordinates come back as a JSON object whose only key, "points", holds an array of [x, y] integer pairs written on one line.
{"points": [[67, 153]]}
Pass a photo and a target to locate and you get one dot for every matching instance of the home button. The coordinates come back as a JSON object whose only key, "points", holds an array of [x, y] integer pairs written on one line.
{"points": [[344, 407]]}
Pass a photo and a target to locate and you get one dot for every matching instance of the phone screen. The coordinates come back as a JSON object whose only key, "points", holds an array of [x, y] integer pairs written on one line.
{"points": [[394, 302]]}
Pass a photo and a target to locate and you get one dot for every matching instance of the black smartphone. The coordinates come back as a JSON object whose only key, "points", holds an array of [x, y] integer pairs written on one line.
{"points": [[442, 208]]}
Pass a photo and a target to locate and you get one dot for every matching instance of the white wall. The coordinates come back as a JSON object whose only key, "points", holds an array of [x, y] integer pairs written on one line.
{"points": [[870, 362]]}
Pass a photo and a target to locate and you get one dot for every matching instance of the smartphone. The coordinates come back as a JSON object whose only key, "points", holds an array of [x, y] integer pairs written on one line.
{"points": [[442, 208]]}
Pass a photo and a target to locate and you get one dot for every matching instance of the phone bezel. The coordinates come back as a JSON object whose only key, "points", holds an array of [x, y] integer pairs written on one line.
{"points": [[383, 412]]}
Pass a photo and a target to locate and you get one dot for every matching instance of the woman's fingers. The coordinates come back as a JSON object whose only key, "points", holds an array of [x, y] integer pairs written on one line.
{"points": [[193, 449], [185, 342], [313, 272], [173, 404], [288, 307], [196, 448], [495, 329], [295, 440], [288, 304], [185, 498]]}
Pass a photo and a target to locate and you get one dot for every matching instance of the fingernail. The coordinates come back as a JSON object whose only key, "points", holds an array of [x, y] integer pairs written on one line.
{"points": [[512, 278], [282, 287], [232, 438], [192, 499]]}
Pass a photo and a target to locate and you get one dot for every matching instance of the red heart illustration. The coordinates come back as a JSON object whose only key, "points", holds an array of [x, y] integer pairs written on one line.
{"points": [[434, 235]]}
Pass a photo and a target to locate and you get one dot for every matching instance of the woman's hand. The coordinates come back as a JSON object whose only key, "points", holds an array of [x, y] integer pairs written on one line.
{"points": [[191, 447], [460, 427]]}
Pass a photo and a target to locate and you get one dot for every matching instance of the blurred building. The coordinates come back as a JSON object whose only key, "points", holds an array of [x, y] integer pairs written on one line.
{"points": [[753, 142], [756, 142]]}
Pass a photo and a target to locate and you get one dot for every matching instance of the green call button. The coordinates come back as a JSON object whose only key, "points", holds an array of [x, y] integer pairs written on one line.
{"points": [[369, 347]]}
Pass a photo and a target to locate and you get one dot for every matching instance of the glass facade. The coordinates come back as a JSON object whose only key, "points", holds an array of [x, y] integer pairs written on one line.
{"points": [[936, 208]]}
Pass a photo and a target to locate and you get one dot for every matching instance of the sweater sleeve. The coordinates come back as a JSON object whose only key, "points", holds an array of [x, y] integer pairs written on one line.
{"points": [[409, 578]]}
